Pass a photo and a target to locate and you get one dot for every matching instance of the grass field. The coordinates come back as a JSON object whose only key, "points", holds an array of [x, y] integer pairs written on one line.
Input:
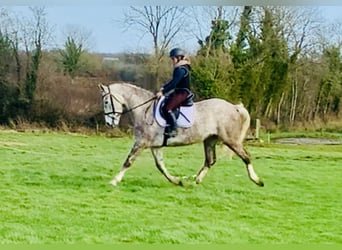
{"points": [[54, 189]]}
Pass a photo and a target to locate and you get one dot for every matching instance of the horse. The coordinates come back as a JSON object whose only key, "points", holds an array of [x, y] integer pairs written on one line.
{"points": [[215, 120]]}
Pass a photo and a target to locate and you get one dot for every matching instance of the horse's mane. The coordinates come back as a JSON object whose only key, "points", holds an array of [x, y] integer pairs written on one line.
{"points": [[136, 88]]}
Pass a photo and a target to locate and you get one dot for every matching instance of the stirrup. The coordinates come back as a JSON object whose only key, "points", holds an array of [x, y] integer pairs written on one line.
{"points": [[171, 133]]}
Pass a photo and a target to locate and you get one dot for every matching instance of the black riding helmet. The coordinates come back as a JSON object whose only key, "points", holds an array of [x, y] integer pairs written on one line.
{"points": [[176, 52]]}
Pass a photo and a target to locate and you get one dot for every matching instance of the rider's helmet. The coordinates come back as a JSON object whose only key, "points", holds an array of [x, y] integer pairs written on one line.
{"points": [[176, 52]]}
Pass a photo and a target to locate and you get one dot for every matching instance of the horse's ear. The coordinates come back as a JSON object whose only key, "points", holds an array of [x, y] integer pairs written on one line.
{"points": [[101, 87]]}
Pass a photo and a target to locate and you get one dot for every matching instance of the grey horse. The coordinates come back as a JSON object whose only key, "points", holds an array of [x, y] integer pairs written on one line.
{"points": [[214, 120]]}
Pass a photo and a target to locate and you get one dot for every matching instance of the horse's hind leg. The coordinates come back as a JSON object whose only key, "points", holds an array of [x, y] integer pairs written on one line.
{"points": [[241, 152], [210, 157], [128, 162], [158, 158]]}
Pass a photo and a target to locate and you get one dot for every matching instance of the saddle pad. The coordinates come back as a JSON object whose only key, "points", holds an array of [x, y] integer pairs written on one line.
{"points": [[184, 120]]}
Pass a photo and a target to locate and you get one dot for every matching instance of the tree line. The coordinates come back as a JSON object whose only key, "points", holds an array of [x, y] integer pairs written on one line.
{"points": [[283, 63], [275, 64]]}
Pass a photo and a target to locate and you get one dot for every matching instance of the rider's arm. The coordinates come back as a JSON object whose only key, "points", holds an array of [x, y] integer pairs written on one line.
{"points": [[178, 74]]}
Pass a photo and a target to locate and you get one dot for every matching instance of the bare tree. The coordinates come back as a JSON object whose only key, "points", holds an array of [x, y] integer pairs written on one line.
{"points": [[163, 23], [36, 35], [80, 35]]}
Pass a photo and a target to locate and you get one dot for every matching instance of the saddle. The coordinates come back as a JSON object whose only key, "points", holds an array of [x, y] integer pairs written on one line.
{"points": [[184, 114]]}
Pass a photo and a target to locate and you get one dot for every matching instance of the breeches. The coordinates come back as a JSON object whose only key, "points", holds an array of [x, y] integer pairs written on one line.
{"points": [[174, 101]]}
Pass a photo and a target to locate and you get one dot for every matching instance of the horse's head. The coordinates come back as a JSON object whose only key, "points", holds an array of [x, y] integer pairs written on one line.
{"points": [[112, 105]]}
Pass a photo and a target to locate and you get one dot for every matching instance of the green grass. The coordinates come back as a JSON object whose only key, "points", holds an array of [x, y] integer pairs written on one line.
{"points": [[54, 189]]}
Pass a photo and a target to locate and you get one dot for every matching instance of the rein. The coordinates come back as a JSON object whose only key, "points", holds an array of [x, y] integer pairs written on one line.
{"points": [[135, 107], [128, 110]]}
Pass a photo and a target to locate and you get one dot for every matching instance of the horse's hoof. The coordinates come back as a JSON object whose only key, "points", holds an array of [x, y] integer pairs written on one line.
{"points": [[198, 180], [113, 183], [260, 183]]}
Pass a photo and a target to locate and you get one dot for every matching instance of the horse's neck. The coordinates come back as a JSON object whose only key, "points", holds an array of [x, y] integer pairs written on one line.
{"points": [[134, 98]]}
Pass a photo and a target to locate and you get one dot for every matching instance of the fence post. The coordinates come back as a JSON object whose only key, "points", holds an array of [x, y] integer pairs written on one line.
{"points": [[257, 128]]}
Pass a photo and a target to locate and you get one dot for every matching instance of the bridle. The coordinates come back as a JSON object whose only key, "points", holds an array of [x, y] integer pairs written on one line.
{"points": [[113, 112]]}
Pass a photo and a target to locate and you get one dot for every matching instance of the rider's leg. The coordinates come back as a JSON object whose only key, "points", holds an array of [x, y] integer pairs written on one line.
{"points": [[172, 103], [171, 120]]}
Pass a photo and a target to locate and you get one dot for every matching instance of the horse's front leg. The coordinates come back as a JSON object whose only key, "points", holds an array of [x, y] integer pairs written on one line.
{"points": [[136, 149], [158, 158]]}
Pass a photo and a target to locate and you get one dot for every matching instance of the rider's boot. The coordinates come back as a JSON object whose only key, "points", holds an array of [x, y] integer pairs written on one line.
{"points": [[171, 130]]}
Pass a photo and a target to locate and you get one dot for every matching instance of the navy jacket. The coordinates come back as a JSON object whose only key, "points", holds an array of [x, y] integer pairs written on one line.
{"points": [[180, 80]]}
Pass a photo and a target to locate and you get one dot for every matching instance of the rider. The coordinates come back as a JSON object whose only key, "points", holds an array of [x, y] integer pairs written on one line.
{"points": [[176, 90]]}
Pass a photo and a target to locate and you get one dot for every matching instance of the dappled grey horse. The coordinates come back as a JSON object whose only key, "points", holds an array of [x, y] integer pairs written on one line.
{"points": [[214, 120]]}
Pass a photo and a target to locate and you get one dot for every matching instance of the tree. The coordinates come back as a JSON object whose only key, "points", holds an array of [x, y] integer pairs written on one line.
{"points": [[11, 102], [9, 23], [212, 77], [245, 54], [275, 66], [71, 56], [163, 23], [216, 42], [81, 35], [212, 68], [240, 48], [5, 55], [299, 26], [330, 89], [36, 35], [6, 95]]}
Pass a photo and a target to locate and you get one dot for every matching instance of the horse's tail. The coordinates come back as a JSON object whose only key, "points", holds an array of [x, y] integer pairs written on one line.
{"points": [[245, 120]]}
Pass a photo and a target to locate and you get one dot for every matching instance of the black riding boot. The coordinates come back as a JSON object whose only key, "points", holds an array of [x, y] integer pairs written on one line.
{"points": [[171, 119]]}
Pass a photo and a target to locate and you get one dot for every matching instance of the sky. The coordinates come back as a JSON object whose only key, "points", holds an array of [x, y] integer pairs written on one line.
{"points": [[104, 23]]}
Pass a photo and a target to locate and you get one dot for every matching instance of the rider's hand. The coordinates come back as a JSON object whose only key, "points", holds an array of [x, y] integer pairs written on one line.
{"points": [[159, 93]]}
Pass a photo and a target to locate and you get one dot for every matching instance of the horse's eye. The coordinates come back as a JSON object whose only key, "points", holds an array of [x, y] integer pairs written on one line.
{"points": [[106, 102]]}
